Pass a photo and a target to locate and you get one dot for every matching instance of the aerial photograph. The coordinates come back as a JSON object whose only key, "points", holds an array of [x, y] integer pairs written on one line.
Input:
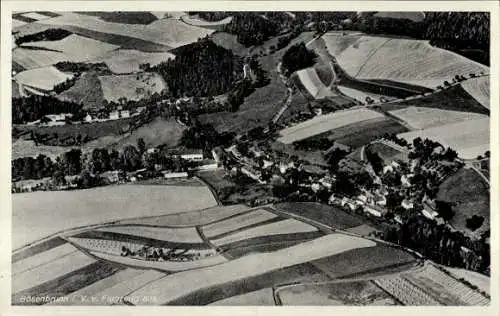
{"points": [[245, 158]]}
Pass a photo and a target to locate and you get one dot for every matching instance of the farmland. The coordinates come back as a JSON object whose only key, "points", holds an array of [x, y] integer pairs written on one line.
{"points": [[131, 87], [388, 152], [469, 138], [404, 60], [413, 16], [86, 207], [169, 32], [479, 89], [196, 21], [41, 78], [188, 235], [424, 117], [87, 91], [470, 195], [314, 86], [124, 61], [361, 95], [263, 297]]}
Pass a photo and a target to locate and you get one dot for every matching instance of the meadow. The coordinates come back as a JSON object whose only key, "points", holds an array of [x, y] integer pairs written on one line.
{"points": [[132, 87]]}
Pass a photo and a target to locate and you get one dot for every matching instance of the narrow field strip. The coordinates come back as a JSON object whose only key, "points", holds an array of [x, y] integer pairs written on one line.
{"points": [[168, 266], [180, 284], [272, 220], [288, 226], [100, 286], [42, 258], [50, 271], [237, 222], [183, 235], [38, 248]]}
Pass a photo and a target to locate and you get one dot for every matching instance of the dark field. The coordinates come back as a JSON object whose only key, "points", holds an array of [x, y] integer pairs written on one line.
{"points": [[130, 17], [324, 214], [87, 91], [41, 247]]}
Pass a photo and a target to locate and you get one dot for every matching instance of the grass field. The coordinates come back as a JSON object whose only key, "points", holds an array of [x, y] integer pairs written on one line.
{"points": [[404, 60], [169, 32], [41, 78], [288, 226], [237, 222], [155, 133], [131, 87], [188, 235], [363, 293], [336, 43], [479, 89], [468, 138], [424, 117], [124, 61], [474, 278], [176, 286], [325, 123], [87, 91], [42, 258], [86, 207], [470, 195], [321, 213], [387, 153], [361, 95], [262, 297], [313, 84], [230, 42], [413, 16], [196, 21]]}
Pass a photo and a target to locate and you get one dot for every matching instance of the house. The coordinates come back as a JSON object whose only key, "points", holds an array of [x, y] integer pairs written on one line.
{"points": [[387, 169], [88, 118], [207, 164], [374, 210], [406, 180], [348, 202], [188, 154], [407, 204], [267, 164], [217, 154], [315, 187], [114, 115], [430, 214], [125, 113], [327, 182], [361, 199], [236, 153], [174, 175], [153, 150]]}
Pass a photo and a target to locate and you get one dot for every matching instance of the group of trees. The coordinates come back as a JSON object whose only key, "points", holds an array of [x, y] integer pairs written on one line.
{"points": [[47, 35], [81, 67], [425, 150], [204, 136], [199, 69], [252, 28], [35, 107], [298, 57], [63, 86]]}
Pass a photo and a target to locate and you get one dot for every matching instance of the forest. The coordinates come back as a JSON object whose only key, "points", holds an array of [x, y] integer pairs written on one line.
{"points": [[200, 69], [35, 107], [47, 35], [298, 57]]}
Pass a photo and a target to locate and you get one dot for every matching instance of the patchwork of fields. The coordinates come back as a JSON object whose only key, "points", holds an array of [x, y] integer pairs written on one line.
{"points": [[42, 78]]}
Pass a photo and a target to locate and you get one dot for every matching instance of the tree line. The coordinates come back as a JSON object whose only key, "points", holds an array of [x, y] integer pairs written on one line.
{"points": [[47, 35], [35, 107], [298, 57]]}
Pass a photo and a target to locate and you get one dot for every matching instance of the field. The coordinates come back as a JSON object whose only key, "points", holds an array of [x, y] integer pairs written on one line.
{"points": [[468, 138], [263, 297], [177, 286], [87, 207], [321, 213], [479, 89], [284, 227], [188, 235], [336, 43], [470, 195], [312, 83], [128, 17], [230, 42], [87, 91], [387, 152], [42, 258], [17, 23], [35, 16], [74, 47], [474, 278], [196, 21], [190, 218], [413, 16], [41, 78], [237, 223], [155, 133], [454, 99], [361, 95], [169, 32], [325, 123], [423, 117], [124, 61], [131, 87], [362, 293], [408, 61]]}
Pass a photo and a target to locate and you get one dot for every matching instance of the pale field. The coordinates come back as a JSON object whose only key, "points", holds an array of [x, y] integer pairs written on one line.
{"points": [[468, 138], [35, 16], [196, 21], [310, 80], [100, 286], [180, 284], [192, 218], [474, 278], [263, 297], [424, 117], [237, 222], [168, 266], [479, 89], [131, 87], [123, 61], [325, 123], [363, 230], [39, 214], [42, 258], [50, 271], [361, 95], [76, 47], [414, 16], [31, 58], [17, 23], [404, 60], [170, 32], [336, 43], [288, 226], [42, 78], [189, 235], [110, 294]]}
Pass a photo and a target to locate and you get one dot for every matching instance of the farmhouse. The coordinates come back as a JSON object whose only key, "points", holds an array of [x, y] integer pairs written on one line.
{"points": [[188, 154], [374, 210], [174, 175], [407, 204]]}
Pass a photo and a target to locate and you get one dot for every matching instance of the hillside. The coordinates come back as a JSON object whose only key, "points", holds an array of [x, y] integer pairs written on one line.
{"points": [[87, 91]]}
